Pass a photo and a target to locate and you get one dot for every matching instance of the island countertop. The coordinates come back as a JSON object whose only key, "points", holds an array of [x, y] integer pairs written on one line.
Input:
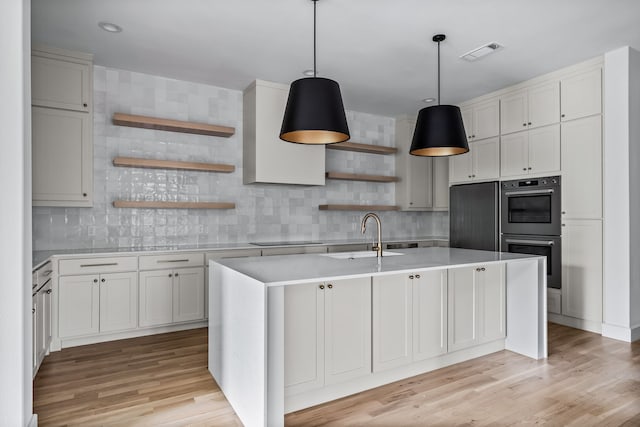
{"points": [[308, 268]]}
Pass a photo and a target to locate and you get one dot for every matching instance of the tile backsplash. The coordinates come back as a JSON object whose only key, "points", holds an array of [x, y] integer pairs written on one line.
{"points": [[264, 212]]}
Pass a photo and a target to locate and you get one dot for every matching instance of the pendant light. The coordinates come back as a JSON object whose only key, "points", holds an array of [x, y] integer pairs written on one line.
{"points": [[439, 129], [314, 112]]}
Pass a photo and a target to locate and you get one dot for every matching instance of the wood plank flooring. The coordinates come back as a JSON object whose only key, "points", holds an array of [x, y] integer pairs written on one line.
{"points": [[588, 380]]}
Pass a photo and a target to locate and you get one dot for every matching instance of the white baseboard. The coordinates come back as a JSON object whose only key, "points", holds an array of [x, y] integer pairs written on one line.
{"points": [[33, 422], [572, 322], [621, 333]]}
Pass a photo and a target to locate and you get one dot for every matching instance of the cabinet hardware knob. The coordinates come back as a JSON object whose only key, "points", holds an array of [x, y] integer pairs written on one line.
{"points": [[321, 286], [85, 104], [469, 176], [529, 168], [473, 136], [563, 225], [524, 169], [411, 277], [176, 275], [524, 124], [330, 286], [529, 123], [170, 275], [95, 280], [483, 269], [478, 269], [417, 276], [33, 310], [564, 212], [103, 280], [84, 194], [561, 115], [48, 291]]}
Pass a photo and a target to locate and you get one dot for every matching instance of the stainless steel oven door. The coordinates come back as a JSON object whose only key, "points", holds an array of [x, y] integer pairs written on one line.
{"points": [[547, 246], [531, 207]]}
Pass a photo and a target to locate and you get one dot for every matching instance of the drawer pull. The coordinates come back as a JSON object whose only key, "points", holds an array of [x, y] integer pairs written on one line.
{"points": [[48, 272], [104, 264], [48, 291], [160, 261], [417, 276]]}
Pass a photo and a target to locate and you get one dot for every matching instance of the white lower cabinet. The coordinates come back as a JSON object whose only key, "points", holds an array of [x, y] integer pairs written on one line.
{"points": [[429, 314], [169, 296], [476, 305], [582, 269], [392, 327], [327, 333], [90, 304]]}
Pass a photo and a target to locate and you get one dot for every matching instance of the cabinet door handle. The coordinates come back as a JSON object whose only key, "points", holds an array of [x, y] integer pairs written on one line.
{"points": [[564, 212], [321, 287], [524, 124], [85, 104], [411, 277], [529, 168], [480, 269], [160, 261], [524, 169], [170, 275], [175, 275], [103, 280], [529, 123], [561, 115], [95, 280], [33, 311], [104, 264], [48, 291], [417, 276], [330, 286]]}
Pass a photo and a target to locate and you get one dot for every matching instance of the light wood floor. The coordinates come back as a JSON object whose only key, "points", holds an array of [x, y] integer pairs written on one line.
{"points": [[162, 380]]}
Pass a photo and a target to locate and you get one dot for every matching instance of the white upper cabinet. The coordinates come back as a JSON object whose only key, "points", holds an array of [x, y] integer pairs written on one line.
{"points": [[60, 82], [424, 181], [581, 95], [530, 108], [482, 119], [482, 162], [531, 152], [582, 168], [266, 158], [62, 135]]}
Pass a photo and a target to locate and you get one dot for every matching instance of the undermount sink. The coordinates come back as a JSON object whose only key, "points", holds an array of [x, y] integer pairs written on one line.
{"points": [[360, 254]]}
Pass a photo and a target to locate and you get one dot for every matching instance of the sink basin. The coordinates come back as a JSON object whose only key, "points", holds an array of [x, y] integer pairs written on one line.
{"points": [[360, 254]]}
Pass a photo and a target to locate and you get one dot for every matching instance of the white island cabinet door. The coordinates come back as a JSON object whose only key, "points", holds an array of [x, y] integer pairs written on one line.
{"points": [[78, 306], [347, 329], [156, 297], [462, 308], [429, 314], [491, 294], [188, 294], [392, 321], [303, 338], [118, 301]]}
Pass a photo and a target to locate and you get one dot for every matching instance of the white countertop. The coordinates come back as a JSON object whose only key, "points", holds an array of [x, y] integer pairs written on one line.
{"points": [[309, 268], [39, 257]]}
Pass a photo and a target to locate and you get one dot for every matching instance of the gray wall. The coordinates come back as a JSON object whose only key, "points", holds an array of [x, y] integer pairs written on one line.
{"points": [[263, 212]]}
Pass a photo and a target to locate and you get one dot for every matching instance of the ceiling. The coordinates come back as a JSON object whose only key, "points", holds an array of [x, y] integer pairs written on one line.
{"points": [[380, 51]]}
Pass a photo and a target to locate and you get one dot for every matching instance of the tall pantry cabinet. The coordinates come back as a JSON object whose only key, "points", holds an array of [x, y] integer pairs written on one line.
{"points": [[62, 122]]}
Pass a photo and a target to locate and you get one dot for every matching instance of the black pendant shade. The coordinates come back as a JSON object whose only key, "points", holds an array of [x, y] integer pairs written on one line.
{"points": [[314, 113], [439, 132], [439, 129]]}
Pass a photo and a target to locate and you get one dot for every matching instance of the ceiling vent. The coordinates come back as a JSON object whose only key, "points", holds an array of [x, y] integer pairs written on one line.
{"points": [[481, 51]]}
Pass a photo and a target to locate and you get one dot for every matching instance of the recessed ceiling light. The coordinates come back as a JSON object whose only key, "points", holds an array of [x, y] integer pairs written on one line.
{"points": [[481, 51], [428, 100], [109, 27]]}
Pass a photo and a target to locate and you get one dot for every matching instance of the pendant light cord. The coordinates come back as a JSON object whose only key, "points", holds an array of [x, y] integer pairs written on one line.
{"points": [[315, 2], [438, 73]]}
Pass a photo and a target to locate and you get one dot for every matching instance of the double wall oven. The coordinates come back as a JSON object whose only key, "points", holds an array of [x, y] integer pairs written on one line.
{"points": [[530, 221]]}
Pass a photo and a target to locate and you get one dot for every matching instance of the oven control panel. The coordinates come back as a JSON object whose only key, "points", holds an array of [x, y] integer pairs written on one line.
{"points": [[551, 181]]}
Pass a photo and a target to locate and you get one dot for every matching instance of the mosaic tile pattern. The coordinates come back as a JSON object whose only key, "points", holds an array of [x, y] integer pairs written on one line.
{"points": [[263, 212]]}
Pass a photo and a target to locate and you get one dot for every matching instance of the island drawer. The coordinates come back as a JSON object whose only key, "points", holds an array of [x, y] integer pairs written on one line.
{"points": [[176, 260], [97, 265], [43, 274], [234, 253]]}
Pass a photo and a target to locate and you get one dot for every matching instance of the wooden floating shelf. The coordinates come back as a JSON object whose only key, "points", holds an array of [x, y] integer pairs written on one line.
{"points": [[173, 205], [359, 208], [145, 122], [134, 162], [362, 148], [361, 177]]}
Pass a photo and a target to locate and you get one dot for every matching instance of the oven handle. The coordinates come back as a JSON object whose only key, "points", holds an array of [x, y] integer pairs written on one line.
{"points": [[528, 192], [531, 242]]}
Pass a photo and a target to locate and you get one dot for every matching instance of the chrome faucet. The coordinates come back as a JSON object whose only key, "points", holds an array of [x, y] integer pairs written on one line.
{"points": [[377, 248]]}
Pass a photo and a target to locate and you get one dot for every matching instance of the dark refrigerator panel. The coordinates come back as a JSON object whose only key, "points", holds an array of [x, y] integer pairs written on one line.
{"points": [[474, 216]]}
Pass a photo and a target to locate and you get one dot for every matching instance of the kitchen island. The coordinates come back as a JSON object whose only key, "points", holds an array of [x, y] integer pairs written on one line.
{"points": [[290, 332]]}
